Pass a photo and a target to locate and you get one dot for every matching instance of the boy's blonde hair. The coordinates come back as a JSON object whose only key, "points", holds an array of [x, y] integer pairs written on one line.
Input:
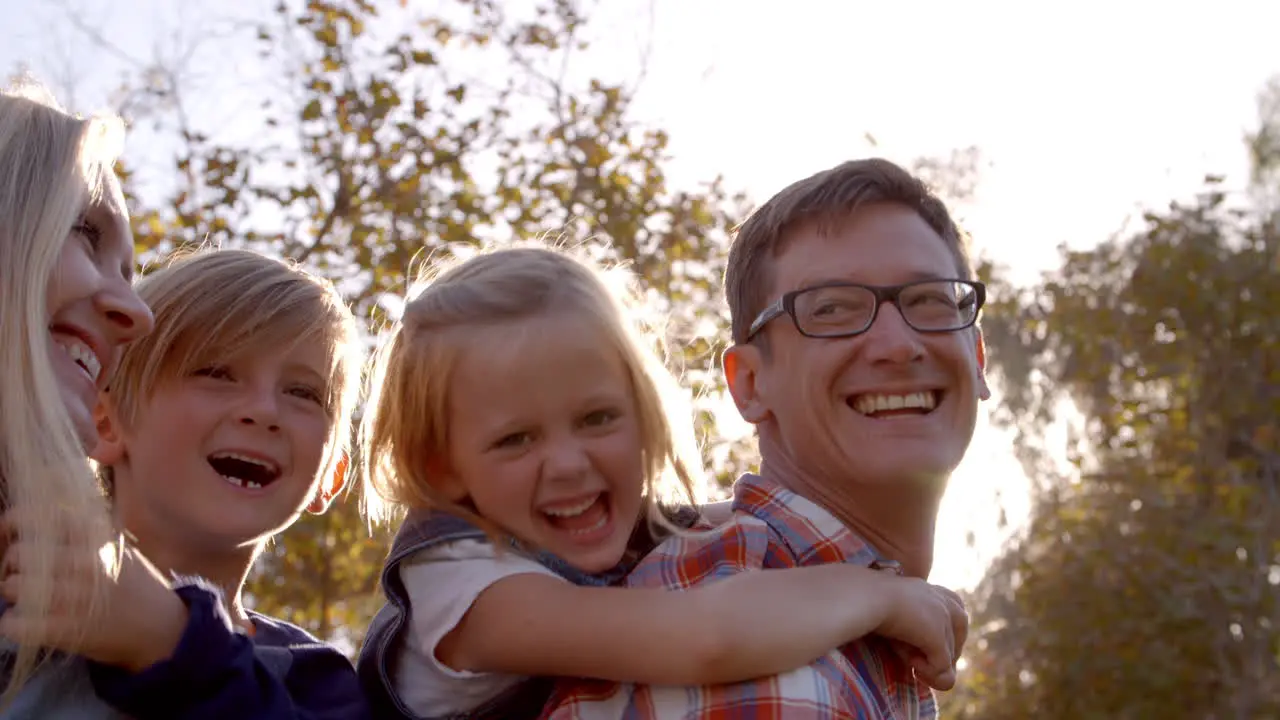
{"points": [[52, 167], [211, 305], [405, 427]]}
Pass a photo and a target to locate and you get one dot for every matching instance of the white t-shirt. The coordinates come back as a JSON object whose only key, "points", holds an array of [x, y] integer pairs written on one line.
{"points": [[442, 583]]}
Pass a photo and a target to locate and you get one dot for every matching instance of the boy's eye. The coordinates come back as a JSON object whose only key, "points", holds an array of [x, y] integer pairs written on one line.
{"points": [[307, 392], [213, 371]]}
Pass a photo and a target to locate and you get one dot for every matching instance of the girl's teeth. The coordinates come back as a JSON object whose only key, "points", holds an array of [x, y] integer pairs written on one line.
{"points": [[573, 510], [594, 526]]}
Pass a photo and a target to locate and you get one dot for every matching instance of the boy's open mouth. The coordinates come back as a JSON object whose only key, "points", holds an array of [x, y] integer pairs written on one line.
{"points": [[244, 471]]}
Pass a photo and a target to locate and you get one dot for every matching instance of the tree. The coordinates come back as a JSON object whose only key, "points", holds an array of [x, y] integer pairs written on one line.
{"points": [[1145, 582], [385, 138], [382, 152]]}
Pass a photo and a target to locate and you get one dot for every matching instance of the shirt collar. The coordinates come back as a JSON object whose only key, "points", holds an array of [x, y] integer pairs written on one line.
{"points": [[813, 534]]}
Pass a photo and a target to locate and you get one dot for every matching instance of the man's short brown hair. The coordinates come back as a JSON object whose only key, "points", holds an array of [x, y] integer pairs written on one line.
{"points": [[826, 198]]}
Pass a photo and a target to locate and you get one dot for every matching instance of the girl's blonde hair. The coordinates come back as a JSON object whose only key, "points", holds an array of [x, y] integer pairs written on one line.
{"points": [[52, 167], [405, 426], [211, 305]]}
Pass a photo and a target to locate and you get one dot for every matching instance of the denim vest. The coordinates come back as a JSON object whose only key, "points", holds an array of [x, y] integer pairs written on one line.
{"points": [[423, 530]]}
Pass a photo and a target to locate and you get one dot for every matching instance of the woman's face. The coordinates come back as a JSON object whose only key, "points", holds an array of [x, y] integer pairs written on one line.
{"points": [[93, 309]]}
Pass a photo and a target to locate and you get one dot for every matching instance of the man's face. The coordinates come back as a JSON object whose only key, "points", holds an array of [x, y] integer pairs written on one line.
{"points": [[826, 403]]}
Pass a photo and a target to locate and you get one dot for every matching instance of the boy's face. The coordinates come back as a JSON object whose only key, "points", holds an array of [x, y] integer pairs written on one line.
{"points": [[227, 455]]}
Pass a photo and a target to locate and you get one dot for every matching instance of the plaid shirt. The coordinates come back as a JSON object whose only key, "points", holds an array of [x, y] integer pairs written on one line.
{"points": [[771, 528]]}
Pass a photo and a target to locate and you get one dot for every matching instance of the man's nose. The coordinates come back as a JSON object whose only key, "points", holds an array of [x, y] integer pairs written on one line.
{"points": [[890, 339]]}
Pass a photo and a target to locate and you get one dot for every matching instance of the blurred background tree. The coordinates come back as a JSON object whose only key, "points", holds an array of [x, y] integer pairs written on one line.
{"points": [[376, 152], [1146, 582]]}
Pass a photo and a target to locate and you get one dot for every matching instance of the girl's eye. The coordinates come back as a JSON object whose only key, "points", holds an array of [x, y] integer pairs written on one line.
{"points": [[214, 371], [513, 440], [599, 417]]}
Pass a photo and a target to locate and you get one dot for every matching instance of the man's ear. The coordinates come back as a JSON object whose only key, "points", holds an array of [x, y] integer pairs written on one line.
{"points": [[330, 487], [984, 391], [110, 449], [742, 366]]}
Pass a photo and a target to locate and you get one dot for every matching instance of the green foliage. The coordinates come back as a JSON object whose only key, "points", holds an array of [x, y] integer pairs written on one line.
{"points": [[1146, 582], [382, 152]]}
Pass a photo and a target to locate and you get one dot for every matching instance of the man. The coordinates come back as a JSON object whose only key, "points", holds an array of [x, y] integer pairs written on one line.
{"points": [[857, 357]]}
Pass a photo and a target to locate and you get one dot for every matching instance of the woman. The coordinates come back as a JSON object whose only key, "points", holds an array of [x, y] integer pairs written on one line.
{"points": [[66, 306]]}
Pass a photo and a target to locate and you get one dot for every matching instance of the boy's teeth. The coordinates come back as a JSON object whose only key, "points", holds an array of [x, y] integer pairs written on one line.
{"points": [[243, 458], [82, 355], [874, 403], [238, 482]]}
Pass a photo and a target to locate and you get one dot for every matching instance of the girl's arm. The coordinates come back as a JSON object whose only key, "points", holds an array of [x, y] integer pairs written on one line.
{"points": [[717, 513], [752, 624]]}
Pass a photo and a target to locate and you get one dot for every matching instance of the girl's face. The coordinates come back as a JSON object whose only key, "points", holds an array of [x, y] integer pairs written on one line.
{"points": [[92, 307], [544, 439]]}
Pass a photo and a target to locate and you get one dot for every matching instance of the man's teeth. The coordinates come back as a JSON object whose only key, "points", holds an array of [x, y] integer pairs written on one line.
{"points": [[572, 510], [82, 355], [874, 403]]}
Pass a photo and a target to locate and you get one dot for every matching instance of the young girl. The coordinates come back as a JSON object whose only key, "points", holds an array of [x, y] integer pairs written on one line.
{"points": [[218, 431], [519, 415], [66, 306]]}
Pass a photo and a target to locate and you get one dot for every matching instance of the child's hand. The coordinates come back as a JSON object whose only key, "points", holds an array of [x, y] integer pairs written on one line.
{"points": [[931, 625], [138, 623]]}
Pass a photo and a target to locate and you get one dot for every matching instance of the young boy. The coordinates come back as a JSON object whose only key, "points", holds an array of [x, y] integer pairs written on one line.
{"points": [[218, 430]]}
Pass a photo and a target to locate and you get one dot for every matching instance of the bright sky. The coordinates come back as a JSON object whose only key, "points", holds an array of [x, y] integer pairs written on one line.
{"points": [[1084, 112]]}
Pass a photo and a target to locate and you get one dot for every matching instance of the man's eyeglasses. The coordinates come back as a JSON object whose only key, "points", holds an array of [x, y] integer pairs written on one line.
{"points": [[847, 309]]}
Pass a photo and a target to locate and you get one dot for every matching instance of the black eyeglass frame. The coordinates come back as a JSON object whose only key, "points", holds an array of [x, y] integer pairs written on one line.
{"points": [[786, 305]]}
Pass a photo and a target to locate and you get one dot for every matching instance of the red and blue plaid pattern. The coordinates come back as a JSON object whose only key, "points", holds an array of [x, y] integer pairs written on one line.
{"points": [[772, 528]]}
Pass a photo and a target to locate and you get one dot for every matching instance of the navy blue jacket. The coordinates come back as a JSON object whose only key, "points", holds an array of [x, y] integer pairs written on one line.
{"points": [[218, 672]]}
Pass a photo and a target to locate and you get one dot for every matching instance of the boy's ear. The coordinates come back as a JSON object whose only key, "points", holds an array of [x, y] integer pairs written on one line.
{"points": [[110, 448], [330, 487]]}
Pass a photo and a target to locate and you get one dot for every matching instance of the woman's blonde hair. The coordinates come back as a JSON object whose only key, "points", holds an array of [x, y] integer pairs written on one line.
{"points": [[211, 305], [52, 167], [405, 426]]}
